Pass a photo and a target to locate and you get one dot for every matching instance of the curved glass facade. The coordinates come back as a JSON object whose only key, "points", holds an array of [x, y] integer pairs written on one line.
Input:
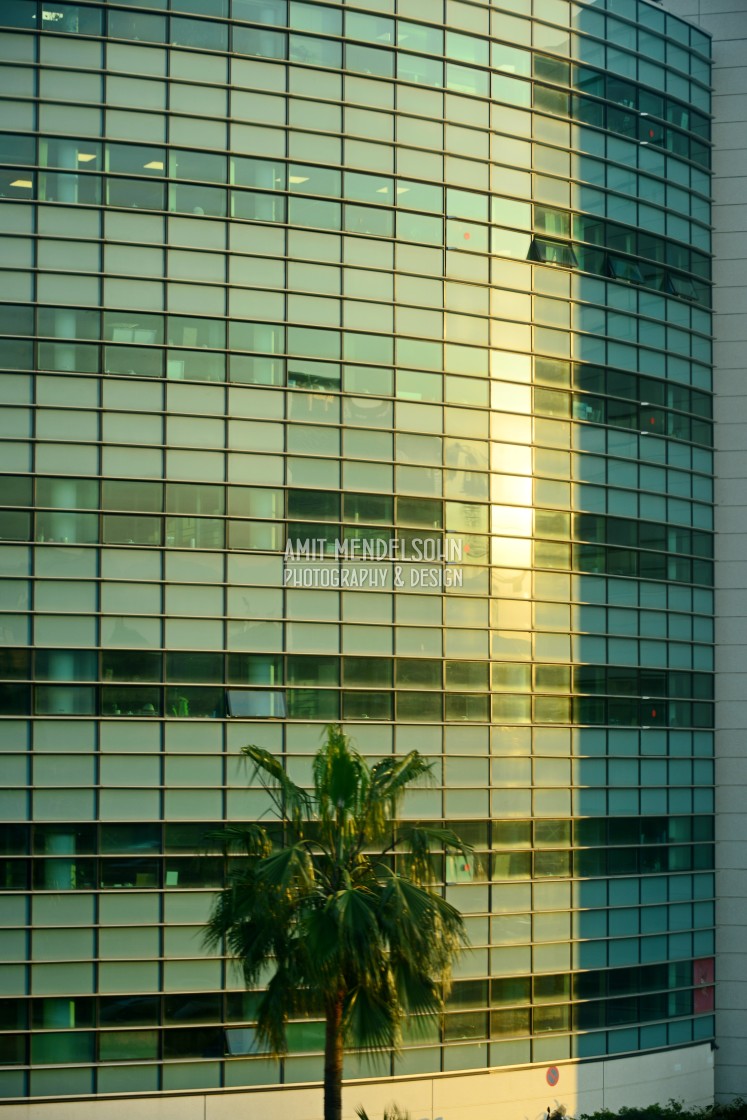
{"points": [[356, 366]]}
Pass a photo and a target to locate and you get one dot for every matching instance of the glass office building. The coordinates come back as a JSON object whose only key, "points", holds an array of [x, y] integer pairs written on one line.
{"points": [[421, 289]]}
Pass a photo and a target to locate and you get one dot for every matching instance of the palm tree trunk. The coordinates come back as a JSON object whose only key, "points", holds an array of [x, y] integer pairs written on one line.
{"points": [[333, 1060]]}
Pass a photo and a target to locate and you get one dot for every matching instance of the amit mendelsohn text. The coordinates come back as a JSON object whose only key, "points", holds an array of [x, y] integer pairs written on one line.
{"points": [[417, 549]]}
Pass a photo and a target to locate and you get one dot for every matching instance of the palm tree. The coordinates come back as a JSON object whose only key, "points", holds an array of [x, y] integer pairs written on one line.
{"points": [[342, 913]]}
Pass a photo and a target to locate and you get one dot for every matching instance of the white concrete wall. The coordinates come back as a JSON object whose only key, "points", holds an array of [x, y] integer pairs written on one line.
{"points": [[520, 1094], [726, 20]]}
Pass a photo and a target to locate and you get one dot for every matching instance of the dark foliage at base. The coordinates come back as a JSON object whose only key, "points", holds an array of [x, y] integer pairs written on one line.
{"points": [[674, 1110]]}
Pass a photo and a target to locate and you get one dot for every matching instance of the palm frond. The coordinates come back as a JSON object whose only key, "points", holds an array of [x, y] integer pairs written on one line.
{"points": [[391, 776], [341, 777], [371, 1019], [249, 922], [421, 842], [257, 914], [390, 1113], [293, 803], [276, 1004], [289, 869], [232, 907], [418, 993], [250, 839], [426, 929], [318, 931], [386, 784], [357, 932]]}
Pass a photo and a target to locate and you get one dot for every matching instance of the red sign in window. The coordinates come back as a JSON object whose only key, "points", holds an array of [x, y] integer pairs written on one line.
{"points": [[703, 977], [703, 1000], [703, 971]]}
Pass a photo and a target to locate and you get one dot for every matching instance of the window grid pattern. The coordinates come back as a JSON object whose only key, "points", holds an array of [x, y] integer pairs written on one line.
{"points": [[452, 290]]}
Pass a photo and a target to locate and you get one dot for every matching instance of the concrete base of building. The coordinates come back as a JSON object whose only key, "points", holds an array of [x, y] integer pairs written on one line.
{"points": [[503, 1094]]}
